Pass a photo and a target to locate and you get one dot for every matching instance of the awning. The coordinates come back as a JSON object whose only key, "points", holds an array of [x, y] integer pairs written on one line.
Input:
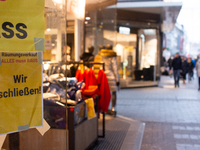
{"points": [[98, 4], [168, 11]]}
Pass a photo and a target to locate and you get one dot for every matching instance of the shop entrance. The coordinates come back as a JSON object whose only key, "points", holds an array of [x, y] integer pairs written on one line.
{"points": [[147, 50], [138, 56]]}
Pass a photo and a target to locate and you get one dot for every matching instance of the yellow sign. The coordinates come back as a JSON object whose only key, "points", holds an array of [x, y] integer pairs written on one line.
{"points": [[20, 91], [22, 25]]}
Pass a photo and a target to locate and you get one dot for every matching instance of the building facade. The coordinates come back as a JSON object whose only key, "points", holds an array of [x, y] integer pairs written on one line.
{"points": [[135, 29]]}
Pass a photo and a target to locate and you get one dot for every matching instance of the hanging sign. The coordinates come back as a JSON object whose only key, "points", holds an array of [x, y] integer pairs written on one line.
{"points": [[20, 91], [22, 25]]}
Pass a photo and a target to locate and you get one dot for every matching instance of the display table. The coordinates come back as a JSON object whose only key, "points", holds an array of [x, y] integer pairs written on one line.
{"points": [[82, 132]]}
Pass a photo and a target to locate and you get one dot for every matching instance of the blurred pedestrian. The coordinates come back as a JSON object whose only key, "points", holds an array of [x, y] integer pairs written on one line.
{"points": [[197, 58], [198, 71], [184, 68], [190, 69], [194, 63], [177, 68], [88, 57], [109, 57], [170, 65]]}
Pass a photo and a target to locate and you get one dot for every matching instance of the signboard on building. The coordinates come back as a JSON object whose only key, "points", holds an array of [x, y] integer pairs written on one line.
{"points": [[124, 30], [22, 25], [20, 91]]}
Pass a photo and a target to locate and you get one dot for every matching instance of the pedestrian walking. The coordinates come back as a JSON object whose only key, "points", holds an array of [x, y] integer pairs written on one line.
{"points": [[109, 57], [198, 71], [184, 68], [190, 69], [177, 68], [194, 63], [170, 65]]}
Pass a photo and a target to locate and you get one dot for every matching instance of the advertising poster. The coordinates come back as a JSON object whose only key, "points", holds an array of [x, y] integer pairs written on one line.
{"points": [[20, 91], [22, 25]]}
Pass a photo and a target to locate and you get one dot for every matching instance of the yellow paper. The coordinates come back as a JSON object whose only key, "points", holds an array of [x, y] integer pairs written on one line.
{"points": [[90, 108], [20, 91], [22, 25]]}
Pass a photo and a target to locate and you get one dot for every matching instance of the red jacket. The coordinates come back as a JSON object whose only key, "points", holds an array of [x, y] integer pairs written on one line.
{"points": [[89, 78], [104, 89], [91, 87], [79, 76]]}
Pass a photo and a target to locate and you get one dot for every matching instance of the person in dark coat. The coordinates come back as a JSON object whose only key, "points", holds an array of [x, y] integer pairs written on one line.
{"points": [[170, 62], [88, 57], [190, 68], [170, 65], [184, 68], [194, 63], [177, 68]]}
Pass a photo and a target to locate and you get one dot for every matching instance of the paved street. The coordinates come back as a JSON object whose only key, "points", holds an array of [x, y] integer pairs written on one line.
{"points": [[171, 115]]}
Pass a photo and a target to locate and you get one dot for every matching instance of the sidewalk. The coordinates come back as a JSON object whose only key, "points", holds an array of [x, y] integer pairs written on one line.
{"points": [[156, 118], [168, 82], [121, 134]]}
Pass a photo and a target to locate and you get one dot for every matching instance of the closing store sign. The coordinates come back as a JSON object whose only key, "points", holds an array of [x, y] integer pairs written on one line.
{"points": [[20, 91], [22, 25]]}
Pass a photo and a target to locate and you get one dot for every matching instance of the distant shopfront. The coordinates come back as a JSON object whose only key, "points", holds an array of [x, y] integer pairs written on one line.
{"points": [[139, 49], [136, 36], [136, 43]]}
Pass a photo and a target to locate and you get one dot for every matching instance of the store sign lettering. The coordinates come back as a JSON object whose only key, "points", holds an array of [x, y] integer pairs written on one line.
{"points": [[8, 30], [22, 25]]}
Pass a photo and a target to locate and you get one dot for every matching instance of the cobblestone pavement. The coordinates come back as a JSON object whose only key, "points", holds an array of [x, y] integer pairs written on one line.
{"points": [[172, 115]]}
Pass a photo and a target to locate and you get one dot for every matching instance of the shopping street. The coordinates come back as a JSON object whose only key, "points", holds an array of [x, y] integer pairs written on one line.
{"points": [[68, 56], [155, 118]]}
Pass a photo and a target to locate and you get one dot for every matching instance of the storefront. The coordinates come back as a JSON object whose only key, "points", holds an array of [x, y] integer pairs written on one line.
{"points": [[140, 50], [135, 31]]}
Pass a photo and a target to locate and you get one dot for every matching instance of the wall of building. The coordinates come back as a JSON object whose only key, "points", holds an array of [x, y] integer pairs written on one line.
{"points": [[175, 40]]}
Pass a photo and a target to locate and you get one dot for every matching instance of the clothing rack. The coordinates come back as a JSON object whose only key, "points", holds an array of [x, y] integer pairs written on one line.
{"points": [[53, 67], [56, 67], [91, 64], [59, 64], [86, 63]]}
